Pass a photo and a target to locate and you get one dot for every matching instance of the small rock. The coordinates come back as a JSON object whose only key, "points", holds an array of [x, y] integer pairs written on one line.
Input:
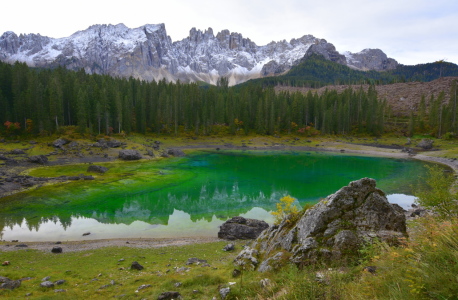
{"points": [[371, 269], [56, 250], [58, 243], [60, 142], [143, 286], [21, 246], [136, 266], [59, 282], [59, 291], [122, 259], [46, 278], [17, 151], [264, 282], [104, 286], [86, 233], [195, 260], [229, 247], [169, 296], [5, 263], [182, 269], [224, 292], [38, 159], [177, 284], [426, 144], [236, 273], [47, 284]]}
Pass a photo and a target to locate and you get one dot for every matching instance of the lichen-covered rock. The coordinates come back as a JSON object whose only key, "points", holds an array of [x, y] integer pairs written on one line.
{"points": [[10, 284], [336, 227], [129, 155], [247, 258], [241, 228]]}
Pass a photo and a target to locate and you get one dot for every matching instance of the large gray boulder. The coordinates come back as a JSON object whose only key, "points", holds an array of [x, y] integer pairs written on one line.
{"points": [[129, 155], [336, 227], [241, 228]]}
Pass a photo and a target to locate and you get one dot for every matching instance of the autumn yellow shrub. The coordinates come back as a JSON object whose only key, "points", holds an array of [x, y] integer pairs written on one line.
{"points": [[285, 208]]}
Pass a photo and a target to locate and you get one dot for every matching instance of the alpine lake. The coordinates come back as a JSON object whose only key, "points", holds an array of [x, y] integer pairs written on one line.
{"points": [[193, 195]]}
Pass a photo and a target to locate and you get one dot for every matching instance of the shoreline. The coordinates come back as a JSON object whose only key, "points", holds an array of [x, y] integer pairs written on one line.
{"points": [[334, 147], [75, 246]]}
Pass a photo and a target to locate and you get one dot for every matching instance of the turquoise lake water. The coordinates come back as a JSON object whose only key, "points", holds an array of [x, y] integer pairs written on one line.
{"points": [[217, 186]]}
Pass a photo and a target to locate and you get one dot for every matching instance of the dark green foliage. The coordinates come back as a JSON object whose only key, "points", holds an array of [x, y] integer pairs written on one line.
{"points": [[100, 104], [316, 71]]}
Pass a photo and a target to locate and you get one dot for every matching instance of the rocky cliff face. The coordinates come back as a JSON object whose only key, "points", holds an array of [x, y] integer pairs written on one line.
{"points": [[334, 229], [147, 53], [370, 59]]}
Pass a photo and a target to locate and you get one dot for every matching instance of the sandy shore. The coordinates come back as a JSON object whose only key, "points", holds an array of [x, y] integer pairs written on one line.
{"points": [[398, 154], [73, 246]]}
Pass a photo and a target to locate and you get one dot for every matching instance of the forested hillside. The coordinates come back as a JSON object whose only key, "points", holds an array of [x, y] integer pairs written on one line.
{"points": [[43, 101], [315, 72]]}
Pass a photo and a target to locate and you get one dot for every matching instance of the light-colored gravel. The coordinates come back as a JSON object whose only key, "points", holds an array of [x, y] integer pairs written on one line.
{"points": [[73, 246]]}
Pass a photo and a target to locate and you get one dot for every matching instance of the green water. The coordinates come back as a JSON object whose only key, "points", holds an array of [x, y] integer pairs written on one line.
{"points": [[190, 196]]}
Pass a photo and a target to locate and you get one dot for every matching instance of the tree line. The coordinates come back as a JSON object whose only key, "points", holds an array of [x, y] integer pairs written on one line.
{"points": [[315, 72], [43, 101]]}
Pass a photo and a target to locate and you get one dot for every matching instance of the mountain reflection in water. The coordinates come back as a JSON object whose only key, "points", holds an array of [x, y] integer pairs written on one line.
{"points": [[217, 186]]}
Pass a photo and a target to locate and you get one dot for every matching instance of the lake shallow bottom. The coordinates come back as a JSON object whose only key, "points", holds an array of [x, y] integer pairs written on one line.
{"points": [[194, 195]]}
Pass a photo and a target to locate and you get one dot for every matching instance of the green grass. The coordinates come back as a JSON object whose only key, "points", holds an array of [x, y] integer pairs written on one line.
{"points": [[80, 269], [423, 267]]}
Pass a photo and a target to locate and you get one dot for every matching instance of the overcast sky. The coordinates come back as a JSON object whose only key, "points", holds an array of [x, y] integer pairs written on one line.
{"points": [[410, 31]]}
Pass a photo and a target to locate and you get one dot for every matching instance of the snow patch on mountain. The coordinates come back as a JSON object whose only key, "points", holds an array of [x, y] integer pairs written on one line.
{"points": [[147, 53]]}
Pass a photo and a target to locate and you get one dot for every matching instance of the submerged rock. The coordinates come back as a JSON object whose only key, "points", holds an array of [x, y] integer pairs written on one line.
{"points": [[335, 228], [241, 228], [176, 152], [97, 169]]}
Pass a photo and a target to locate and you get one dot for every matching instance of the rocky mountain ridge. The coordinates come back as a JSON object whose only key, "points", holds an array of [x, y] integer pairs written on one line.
{"points": [[148, 53]]}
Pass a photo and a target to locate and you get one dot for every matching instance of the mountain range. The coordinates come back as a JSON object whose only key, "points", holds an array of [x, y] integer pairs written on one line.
{"points": [[148, 53]]}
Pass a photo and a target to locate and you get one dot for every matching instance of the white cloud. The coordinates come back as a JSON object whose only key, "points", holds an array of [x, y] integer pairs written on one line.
{"points": [[411, 31]]}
